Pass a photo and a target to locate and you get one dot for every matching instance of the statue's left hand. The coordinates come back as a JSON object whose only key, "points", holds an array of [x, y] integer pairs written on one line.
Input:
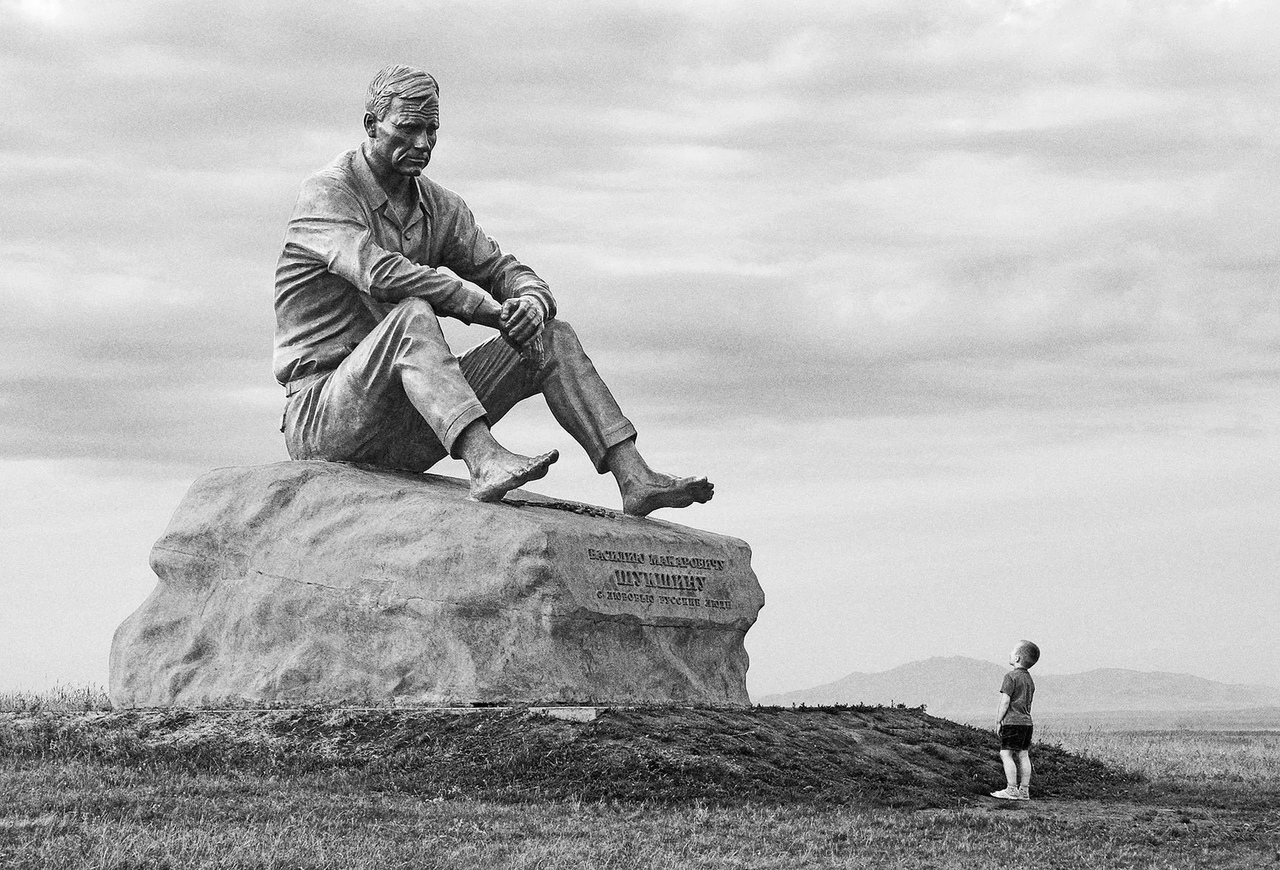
{"points": [[521, 318]]}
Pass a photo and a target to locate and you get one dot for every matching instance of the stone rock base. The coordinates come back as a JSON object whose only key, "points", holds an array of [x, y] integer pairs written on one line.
{"points": [[315, 581]]}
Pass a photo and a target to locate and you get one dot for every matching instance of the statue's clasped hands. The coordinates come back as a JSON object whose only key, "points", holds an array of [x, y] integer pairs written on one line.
{"points": [[520, 319]]}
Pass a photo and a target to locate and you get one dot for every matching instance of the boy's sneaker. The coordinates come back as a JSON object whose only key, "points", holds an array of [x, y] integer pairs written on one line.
{"points": [[1012, 793], [1024, 793]]}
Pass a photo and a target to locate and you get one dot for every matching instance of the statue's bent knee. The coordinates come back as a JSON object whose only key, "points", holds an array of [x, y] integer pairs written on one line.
{"points": [[415, 316], [412, 308], [560, 335]]}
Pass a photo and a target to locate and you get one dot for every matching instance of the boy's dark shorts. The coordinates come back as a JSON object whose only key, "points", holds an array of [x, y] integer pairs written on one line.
{"points": [[1015, 737]]}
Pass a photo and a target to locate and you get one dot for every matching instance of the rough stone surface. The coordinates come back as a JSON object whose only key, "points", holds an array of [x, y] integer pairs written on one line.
{"points": [[313, 581]]}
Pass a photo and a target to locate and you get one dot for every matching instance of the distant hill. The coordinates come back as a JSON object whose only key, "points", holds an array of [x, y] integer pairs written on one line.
{"points": [[957, 687]]}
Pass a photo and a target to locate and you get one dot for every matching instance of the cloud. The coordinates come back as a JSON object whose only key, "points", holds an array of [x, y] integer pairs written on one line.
{"points": [[833, 209], [941, 294]]}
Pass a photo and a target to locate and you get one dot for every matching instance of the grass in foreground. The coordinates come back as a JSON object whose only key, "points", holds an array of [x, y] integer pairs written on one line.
{"points": [[333, 789], [73, 816]]}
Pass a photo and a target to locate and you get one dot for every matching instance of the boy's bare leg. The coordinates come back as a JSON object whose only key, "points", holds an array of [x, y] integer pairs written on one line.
{"points": [[1010, 768], [1024, 772], [645, 490], [494, 469]]}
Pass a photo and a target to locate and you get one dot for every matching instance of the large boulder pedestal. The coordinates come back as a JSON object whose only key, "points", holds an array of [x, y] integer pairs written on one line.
{"points": [[317, 581]]}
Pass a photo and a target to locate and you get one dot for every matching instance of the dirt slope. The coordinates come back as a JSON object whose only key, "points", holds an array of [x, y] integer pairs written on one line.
{"points": [[874, 755]]}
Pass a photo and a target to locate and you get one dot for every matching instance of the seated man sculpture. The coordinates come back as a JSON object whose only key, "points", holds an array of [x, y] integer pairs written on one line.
{"points": [[359, 292]]}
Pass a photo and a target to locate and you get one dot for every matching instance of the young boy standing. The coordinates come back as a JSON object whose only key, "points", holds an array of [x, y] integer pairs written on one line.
{"points": [[1013, 723]]}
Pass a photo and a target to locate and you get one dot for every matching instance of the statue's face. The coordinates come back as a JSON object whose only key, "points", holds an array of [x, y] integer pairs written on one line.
{"points": [[403, 139]]}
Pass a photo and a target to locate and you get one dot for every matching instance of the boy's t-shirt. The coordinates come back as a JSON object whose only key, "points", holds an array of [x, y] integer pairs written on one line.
{"points": [[1020, 688]]}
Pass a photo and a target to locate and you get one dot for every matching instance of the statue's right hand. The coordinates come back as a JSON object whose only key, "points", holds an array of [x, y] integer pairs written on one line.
{"points": [[521, 318]]}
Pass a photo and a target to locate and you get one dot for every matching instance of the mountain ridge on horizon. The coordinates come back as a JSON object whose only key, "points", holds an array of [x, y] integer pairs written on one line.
{"points": [[959, 685]]}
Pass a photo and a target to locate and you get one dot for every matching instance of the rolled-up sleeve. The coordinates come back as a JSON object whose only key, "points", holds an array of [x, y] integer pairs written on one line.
{"points": [[330, 227]]}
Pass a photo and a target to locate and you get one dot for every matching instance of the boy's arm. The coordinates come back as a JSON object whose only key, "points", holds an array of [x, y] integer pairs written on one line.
{"points": [[1004, 708]]}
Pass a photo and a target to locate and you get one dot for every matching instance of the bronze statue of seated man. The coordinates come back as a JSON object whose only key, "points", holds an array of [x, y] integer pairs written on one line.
{"points": [[359, 348]]}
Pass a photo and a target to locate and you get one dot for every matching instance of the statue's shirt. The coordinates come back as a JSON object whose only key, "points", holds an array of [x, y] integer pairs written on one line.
{"points": [[348, 258]]}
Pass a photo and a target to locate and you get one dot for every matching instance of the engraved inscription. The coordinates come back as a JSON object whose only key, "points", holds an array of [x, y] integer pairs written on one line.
{"points": [[659, 580], [637, 579], [665, 560], [615, 595], [615, 556], [695, 563]]}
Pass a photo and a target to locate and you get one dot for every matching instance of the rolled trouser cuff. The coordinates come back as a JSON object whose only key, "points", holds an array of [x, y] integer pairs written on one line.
{"points": [[578, 398], [609, 439], [464, 417]]}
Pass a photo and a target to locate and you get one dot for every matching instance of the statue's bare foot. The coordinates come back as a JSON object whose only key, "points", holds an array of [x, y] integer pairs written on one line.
{"points": [[657, 490], [502, 474]]}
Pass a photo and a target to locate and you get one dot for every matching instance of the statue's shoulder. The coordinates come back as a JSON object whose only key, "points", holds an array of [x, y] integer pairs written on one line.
{"points": [[436, 193], [339, 170], [335, 185]]}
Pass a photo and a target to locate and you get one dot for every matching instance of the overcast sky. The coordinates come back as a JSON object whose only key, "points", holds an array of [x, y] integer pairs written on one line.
{"points": [[968, 307]]}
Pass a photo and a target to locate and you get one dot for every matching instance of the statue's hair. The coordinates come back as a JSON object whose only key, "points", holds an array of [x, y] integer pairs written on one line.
{"points": [[394, 81], [1028, 652]]}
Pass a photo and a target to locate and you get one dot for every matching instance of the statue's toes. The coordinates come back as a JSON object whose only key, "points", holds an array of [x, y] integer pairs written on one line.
{"points": [[701, 489]]}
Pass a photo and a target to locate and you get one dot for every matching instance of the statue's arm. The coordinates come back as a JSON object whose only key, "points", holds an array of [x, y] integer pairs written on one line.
{"points": [[330, 228], [472, 255]]}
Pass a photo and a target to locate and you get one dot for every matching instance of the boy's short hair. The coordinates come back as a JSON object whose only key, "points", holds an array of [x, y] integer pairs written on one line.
{"points": [[1028, 652]]}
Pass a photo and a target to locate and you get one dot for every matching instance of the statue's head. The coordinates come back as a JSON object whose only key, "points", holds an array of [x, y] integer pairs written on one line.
{"points": [[401, 118], [402, 81]]}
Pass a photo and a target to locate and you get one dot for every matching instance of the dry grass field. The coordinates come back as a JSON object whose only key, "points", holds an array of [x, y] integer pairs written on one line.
{"points": [[762, 788], [1225, 761]]}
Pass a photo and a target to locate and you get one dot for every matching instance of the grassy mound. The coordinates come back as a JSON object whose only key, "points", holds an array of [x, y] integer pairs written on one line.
{"points": [[877, 756]]}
